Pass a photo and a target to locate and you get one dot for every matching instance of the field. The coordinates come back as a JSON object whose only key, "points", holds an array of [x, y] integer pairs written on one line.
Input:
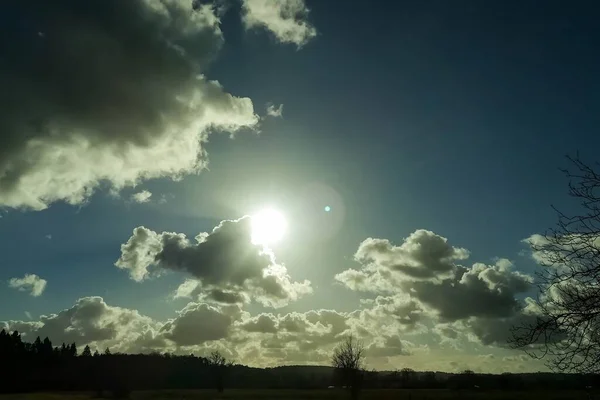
{"points": [[320, 394]]}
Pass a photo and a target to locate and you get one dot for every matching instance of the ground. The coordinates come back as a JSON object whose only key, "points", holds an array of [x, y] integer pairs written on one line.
{"points": [[319, 394]]}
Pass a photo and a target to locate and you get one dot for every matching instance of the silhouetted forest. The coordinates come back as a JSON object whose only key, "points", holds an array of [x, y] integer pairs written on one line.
{"points": [[40, 365]]}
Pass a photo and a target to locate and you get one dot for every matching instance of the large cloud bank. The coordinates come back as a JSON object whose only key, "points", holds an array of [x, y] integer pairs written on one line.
{"points": [[107, 91], [421, 307]]}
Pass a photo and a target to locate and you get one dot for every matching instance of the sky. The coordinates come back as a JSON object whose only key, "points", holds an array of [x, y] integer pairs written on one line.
{"points": [[412, 148]]}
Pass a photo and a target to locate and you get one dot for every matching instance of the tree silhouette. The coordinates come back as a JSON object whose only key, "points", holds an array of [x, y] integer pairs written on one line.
{"points": [[219, 366], [107, 352], [407, 377], [39, 348], [87, 352], [566, 330], [63, 350], [47, 348], [72, 350], [348, 360]]}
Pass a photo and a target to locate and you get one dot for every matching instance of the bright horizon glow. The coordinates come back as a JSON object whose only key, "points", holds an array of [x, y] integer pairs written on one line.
{"points": [[268, 227]]}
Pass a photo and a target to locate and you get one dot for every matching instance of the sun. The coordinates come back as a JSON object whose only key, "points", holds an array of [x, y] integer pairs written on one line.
{"points": [[268, 227]]}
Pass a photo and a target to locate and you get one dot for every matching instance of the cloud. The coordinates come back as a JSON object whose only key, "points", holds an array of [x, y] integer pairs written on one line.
{"points": [[91, 320], [275, 112], [224, 263], [193, 289], [263, 339], [29, 283], [127, 104], [422, 255], [424, 268], [562, 253], [141, 197], [420, 284], [489, 330], [396, 313], [285, 19], [389, 346], [451, 313], [482, 290], [199, 322], [264, 323]]}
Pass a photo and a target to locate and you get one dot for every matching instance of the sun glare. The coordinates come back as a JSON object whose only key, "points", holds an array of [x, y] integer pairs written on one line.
{"points": [[268, 227]]}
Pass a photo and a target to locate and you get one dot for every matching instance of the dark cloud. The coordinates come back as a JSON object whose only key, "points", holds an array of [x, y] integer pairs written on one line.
{"points": [[389, 346], [482, 290], [424, 268], [198, 323], [264, 323], [224, 262], [226, 297], [106, 90]]}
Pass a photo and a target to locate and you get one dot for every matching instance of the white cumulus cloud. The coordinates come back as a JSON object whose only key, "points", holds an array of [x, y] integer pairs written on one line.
{"points": [[285, 19], [29, 283], [141, 197]]}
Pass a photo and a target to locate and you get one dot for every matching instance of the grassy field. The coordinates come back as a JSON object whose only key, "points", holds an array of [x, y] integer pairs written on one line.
{"points": [[320, 394]]}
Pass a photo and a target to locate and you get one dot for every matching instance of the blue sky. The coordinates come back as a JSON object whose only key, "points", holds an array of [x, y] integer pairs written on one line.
{"points": [[399, 115]]}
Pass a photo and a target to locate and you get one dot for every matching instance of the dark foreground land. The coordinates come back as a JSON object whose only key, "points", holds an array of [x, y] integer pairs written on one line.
{"points": [[420, 394]]}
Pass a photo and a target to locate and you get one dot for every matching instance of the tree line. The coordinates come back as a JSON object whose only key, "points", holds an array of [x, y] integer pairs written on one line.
{"points": [[41, 366]]}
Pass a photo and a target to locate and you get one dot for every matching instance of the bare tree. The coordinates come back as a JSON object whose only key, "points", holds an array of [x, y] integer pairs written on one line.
{"points": [[407, 376], [219, 366], [348, 359], [565, 331]]}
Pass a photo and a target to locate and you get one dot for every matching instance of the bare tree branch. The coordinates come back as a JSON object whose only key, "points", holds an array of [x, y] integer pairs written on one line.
{"points": [[566, 333], [348, 359]]}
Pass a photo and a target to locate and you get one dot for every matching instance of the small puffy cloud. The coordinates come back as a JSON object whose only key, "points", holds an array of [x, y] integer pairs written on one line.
{"points": [[29, 283], [275, 112], [226, 266], [141, 197], [128, 104], [285, 19]]}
